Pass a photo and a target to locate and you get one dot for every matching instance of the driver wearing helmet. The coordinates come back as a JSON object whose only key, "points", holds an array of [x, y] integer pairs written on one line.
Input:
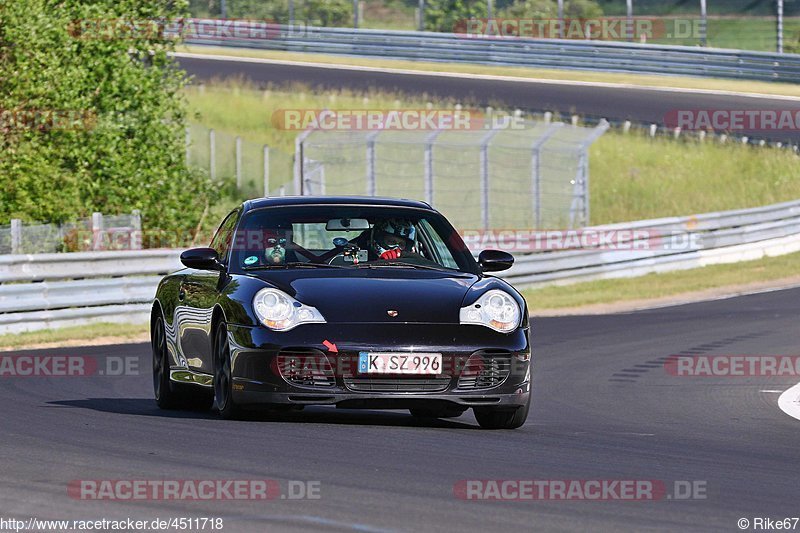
{"points": [[394, 238]]}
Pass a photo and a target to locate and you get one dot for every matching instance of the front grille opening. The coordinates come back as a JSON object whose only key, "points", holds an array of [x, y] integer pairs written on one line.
{"points": [[435, 383], [305, 368], [485, 370]]}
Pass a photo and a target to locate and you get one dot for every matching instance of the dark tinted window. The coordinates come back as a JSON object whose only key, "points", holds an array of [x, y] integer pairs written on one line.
{"points": [[349, 236]]}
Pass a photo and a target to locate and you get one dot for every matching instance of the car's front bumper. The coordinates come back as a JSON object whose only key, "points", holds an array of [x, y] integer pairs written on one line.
{"points": [[256, 380]]}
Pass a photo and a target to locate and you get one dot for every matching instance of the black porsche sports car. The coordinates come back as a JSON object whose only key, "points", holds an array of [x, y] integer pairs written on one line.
{"points": [[358, 302]]}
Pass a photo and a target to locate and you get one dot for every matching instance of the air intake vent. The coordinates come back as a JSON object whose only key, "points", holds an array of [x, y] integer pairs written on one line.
{"points": [[402, 384], [485, 370], [305, 368]]}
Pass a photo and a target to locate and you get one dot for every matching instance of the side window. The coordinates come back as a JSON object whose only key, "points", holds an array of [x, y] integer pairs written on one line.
{"points": [[444, 257], [222, 240]]}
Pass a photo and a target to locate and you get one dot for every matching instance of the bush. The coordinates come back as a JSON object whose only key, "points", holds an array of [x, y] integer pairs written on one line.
{"points": [[448, 15], [548, 9], [125, 150], [328, 12]]}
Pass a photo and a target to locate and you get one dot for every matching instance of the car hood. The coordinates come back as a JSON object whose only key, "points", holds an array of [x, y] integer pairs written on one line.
{"points": [[368, 295]]}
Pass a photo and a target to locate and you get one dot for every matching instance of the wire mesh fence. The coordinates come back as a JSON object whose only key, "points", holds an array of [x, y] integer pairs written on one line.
{"points": [[100, 232], [252, 168], [531, 177]]}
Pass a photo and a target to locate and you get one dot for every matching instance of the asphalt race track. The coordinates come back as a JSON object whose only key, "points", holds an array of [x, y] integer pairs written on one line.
{"points": [[604, 408], [637, 104]]}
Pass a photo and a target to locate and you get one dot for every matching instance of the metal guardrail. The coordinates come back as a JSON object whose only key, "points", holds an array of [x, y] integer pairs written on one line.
{"points": [[53, 290], [507, 51]]}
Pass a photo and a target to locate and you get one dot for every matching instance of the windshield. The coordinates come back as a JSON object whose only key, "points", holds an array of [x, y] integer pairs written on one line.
{"points": [[348, 237]]}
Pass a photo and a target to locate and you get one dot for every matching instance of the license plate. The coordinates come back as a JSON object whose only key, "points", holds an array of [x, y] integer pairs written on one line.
{"points": [[397, 363]]}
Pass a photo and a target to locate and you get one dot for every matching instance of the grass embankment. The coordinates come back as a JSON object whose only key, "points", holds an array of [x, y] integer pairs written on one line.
{"points": [[101, 333]]}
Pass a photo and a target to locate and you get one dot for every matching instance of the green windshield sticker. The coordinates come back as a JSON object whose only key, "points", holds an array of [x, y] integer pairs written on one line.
{"points": [[250, 260]]}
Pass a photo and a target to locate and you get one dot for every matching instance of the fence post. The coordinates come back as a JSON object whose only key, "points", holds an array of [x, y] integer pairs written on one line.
{"points": [[536, 170], [212, 154], [703, 23], [136, 230], [97, 231], [372, 186], [266, 171], [16, 236], [629, 20], [238, 163], [429, 140], [299, 161], [421, 16], [581, 187], [780, 26], [485, 177]]}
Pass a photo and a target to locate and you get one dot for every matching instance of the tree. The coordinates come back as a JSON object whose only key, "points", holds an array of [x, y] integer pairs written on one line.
{"points": [[94, 113]]}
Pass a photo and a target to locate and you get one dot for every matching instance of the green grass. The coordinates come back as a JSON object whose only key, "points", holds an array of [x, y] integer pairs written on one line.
{"points": [[390, 15], [633, 176], [87, 332], [662, 285]]}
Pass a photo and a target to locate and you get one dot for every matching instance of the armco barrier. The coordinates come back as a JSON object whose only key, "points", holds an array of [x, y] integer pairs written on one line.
{"points": [[55, 290], [509, 51]]}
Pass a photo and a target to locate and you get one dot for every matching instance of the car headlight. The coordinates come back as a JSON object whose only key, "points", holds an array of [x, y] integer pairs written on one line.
{"points": [[495, 309], [279, 311]]}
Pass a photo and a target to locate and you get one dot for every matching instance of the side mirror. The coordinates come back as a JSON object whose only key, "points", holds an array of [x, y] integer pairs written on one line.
{"points": [[202, 259], [495, 260]]}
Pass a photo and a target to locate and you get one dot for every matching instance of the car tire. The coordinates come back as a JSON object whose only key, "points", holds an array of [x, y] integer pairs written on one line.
{"points": [[494, 418], [168, 394], [223, 380], [166, 397], [436, 413]]}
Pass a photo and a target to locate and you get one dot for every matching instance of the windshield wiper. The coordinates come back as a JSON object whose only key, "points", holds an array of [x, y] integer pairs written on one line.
{"points": [[294, 264], [399, 264]]}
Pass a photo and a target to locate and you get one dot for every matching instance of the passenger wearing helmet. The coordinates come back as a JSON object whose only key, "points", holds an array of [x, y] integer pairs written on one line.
{"points": [[394, 238]]}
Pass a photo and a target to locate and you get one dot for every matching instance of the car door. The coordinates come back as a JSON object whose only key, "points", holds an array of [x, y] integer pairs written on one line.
{"points": [[198, 294]]}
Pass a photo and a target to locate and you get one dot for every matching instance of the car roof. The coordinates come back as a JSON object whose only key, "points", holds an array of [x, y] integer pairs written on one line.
{"points": [[275, 201]]}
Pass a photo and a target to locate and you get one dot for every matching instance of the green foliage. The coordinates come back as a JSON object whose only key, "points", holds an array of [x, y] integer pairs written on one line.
{"points": [[548, 9], [272, 10], [792, 45], [314, 12], [328, 12], [450, 15], [125, 149]]}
